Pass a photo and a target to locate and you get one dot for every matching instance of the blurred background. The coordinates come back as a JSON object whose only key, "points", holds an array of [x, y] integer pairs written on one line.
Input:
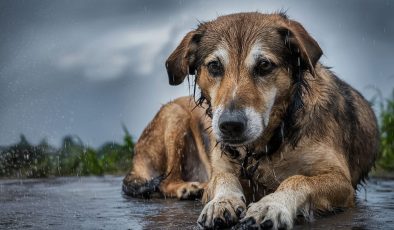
{"points": [[73, 72]]}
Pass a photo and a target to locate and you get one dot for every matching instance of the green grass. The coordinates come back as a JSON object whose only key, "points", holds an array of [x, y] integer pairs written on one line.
{"points": [[24, 160], [386, 127]]}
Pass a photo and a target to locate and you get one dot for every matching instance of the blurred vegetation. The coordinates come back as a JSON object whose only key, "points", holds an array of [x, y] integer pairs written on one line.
{"points": [[73, 158], [386, 126]]}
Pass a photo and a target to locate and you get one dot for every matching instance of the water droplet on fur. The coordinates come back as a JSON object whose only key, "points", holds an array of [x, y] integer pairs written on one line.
{"points": [[282, 127]]}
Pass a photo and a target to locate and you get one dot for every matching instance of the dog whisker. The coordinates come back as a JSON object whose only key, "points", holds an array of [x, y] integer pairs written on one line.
{"points": [[217, 143]]}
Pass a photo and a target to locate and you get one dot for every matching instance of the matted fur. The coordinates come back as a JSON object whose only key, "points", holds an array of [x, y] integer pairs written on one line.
{"points": [[317, 141]]}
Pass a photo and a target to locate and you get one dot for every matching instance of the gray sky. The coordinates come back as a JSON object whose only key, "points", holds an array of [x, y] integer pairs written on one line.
{"points": [[86, 67]]}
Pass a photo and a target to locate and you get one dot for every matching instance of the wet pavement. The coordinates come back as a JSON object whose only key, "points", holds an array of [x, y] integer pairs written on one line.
{"points": [[98, 203]]}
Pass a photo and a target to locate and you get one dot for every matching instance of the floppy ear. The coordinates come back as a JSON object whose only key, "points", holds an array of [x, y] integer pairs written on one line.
{"points": [[301, 43], [182, 61]]}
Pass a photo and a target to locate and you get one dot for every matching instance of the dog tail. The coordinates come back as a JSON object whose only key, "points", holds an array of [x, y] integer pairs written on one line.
{"points": [[142, 188]]}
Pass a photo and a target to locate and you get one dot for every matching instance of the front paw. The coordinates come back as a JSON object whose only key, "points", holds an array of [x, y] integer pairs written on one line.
{"points": [[268, 213], [222, 212]]}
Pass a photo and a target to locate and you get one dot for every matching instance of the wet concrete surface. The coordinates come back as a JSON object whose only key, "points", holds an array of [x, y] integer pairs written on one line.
{"points": [[98, 203]]}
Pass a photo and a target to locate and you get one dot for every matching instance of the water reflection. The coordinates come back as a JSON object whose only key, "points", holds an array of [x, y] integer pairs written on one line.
{"points": [[97, 203]]}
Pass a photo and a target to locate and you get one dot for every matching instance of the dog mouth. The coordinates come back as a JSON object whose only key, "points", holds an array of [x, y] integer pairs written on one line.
{"points": [[233, 142], [236, 141]]}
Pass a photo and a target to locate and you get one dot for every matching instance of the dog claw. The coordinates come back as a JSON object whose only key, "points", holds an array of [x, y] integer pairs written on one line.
{"points": [[227, 217], [239, 211], [201, 221], [268, 224], [248, 222], [218, 223], [282, 227]]}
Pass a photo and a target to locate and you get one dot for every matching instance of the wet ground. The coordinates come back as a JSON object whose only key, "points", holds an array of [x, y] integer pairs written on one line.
{"points": [[98, 203]]}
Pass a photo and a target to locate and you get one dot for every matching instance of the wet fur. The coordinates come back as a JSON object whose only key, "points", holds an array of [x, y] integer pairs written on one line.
{"points": [[170, 157], [320, 143]]}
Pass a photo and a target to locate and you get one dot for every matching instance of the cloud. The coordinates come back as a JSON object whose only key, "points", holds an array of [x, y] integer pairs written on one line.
{"points": [[110, 54]]}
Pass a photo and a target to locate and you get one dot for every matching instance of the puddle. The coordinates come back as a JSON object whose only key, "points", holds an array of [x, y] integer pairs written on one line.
{"points": [[98, 203]]}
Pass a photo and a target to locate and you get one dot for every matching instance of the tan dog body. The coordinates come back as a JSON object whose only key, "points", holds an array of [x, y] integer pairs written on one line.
{"points": [[171, 154], [293, 138]]}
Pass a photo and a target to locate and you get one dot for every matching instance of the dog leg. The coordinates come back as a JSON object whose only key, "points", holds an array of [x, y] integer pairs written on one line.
{"points": [[227, 204], [142, 180], [299, 195], [176, 145], [225, 195]]}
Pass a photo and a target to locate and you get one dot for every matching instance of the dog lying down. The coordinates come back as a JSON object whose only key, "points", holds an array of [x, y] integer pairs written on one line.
{"points": [[275, 134]]}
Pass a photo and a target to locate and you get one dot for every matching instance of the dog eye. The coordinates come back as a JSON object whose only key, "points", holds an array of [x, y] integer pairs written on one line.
{"points": [[263, 67], [215, 68]]}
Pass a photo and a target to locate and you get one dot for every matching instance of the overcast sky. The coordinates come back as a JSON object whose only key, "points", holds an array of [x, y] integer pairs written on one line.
{"points": [[86, 67]]}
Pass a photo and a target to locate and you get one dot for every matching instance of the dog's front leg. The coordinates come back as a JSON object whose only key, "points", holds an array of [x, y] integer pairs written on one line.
{"points": [[299, 195], [224, 194]]}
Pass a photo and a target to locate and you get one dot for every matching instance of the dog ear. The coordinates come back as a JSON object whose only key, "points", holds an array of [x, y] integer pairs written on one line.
{"points": [[301, 43], [182, 61]]}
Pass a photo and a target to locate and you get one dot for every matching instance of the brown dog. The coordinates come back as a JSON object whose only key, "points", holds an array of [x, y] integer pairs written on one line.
{"points": [[301, 138]]}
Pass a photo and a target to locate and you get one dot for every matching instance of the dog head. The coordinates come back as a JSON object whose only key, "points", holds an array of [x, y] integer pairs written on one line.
{"points": [[249, 67]]}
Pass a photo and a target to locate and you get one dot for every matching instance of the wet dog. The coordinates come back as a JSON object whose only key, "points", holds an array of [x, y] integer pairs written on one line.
{"points": [[283, 133]]}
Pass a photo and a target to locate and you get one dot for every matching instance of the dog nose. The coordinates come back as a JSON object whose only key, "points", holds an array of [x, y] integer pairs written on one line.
{"points": [[232, 124]]}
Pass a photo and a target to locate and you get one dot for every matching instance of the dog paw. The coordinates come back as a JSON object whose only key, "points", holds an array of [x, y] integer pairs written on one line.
{"points": [[190, 190], [268, 213], [222, 212]]}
